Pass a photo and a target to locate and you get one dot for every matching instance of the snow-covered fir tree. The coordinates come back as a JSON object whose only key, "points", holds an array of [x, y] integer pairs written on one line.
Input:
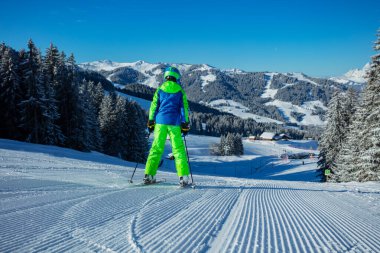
{"points": [[95, 137], [52, 133], [357, 158], [347, 158], [230, 144], [108, 124], [67, 93], [9, 92], [32, 105], [136, 132], [43, 101], [369, 159], [122, 123], [334, 135]]}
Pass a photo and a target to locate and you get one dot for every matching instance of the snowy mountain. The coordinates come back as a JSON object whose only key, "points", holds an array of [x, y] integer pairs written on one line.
{"points": [[354, 76], [264, 96], [135, 72], [60, 200]]}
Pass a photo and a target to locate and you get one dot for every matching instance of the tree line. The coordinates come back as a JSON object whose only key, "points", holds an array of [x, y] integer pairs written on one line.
{"points": [[205, 120], [350, 144], [44, 100]]}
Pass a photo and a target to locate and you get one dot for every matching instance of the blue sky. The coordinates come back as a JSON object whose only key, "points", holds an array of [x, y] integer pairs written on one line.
{"points": [[317, 37]]}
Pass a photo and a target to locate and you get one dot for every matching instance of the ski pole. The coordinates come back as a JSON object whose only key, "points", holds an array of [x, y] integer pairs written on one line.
{"points": [[188, 161], [130, 181]]}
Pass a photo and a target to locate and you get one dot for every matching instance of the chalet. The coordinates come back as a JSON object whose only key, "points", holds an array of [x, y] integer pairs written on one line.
{"points": [[284, 137], [269, 136]]}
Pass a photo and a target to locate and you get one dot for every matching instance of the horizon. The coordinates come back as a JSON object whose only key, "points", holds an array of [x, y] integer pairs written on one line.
{"points": [[318, 38]]}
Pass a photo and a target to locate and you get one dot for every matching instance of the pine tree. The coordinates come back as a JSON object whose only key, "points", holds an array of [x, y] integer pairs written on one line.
{"points": [[223, 145], [347, 159], [359, 158], [9, 93], [108, 122], [368, 163], [138, 144], [369, 159], [93, 116], [230, 144], [121, 126], [66, 88], [322, 165], [334, 135], [52, 133], [238, 143], [32, 107], [97, 95], [350, 105]]}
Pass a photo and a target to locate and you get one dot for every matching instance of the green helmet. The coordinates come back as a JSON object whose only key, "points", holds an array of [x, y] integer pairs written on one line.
{"points": [[172, 71]]}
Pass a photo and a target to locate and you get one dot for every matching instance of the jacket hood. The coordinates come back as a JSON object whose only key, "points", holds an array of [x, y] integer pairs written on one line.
{"points": [[170, 87]]}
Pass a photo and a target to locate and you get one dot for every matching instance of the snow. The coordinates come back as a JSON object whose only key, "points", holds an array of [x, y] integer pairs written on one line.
{"points": [[310, 105], [353, 76], [149, 70], [287, 107], [239, 110], [234, 71], [204, 67], [267, 135], [269, 93], [302, 77], [141, 66], [105, 65], [307, 108], [59, 200], [183, 67], [210, 77]]}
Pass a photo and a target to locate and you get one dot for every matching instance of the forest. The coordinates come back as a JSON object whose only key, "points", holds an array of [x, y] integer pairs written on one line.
{"points": [[47, 99]]}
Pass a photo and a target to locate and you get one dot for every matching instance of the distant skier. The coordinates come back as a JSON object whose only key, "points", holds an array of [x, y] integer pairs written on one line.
{"points": [[168, 114]]}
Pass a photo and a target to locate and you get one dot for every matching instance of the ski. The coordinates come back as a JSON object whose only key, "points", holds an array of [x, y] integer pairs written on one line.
{"points": [[157, 182], [192, 186]]}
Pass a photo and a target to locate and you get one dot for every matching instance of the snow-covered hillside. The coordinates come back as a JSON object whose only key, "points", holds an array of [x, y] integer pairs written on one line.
{"points": [[237, 109], [149, 70], [290, 93], [287, 108], [59, 200]]}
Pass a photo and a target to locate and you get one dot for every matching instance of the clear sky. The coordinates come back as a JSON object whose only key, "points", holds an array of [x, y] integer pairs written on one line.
{"points": [[317, 37]]}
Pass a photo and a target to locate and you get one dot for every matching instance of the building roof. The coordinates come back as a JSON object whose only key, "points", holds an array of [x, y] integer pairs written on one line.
{"points": [[268, 135]]}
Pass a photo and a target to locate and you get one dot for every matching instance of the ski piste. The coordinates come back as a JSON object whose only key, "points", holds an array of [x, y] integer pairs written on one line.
{"points": [[65, 200]]}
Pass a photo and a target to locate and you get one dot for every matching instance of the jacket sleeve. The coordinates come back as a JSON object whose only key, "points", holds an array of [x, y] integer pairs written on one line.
{"points": [[154, 106], [184, 108]]}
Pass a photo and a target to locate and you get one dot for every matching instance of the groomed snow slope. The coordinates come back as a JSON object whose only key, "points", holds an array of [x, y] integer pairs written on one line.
{"points": [[59, 200]]}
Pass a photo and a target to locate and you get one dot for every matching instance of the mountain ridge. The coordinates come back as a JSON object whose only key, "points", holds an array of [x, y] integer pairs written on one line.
{"points": [[283, 97]]}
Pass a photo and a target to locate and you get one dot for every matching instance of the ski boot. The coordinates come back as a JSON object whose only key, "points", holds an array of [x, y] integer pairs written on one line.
{"points": [[184, 181], [149, 179]]}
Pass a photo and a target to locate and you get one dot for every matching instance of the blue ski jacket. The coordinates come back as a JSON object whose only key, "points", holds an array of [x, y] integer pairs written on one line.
{"points": [[169, 105]]}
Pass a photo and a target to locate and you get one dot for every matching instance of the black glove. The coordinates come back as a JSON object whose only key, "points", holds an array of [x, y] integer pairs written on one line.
{"points": [[151, 124], [185, 128]]}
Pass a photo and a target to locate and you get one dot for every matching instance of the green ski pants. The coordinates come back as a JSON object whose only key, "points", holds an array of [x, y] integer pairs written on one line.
{"points": [[178, 148]]}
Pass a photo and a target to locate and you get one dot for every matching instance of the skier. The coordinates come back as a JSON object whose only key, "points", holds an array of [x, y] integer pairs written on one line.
{"points": [[168, 114]]}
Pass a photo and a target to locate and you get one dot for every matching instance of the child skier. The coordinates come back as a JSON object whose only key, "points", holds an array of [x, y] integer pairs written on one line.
{"points": [[168, 114]]}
